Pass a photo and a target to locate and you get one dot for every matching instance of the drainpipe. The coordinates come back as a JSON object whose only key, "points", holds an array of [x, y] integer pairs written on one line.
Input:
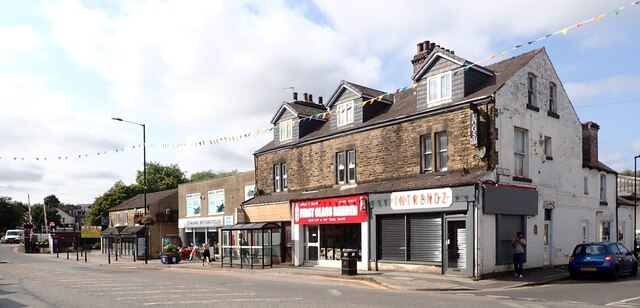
{"points": [[475, 265]]}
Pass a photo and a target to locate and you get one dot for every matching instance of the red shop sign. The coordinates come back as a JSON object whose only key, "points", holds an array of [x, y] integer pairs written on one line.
{"points": [[341, 210]]}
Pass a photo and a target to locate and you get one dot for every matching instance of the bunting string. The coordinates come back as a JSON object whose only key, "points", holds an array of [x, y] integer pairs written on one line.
{"points": [[327, 114]]}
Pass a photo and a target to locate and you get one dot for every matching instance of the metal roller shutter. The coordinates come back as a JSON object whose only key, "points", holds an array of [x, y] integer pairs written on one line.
{"points": [[391, 235], [425, 238]]}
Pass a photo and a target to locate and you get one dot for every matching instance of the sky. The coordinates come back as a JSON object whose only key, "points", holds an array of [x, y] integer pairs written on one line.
{"points": [[195, 71]]}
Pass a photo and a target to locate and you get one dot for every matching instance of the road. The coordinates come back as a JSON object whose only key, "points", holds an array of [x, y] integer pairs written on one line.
{"points": [[34, 281]]}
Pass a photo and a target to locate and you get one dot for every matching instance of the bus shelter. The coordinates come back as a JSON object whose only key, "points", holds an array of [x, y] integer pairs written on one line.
{"points": [[248, 244]]}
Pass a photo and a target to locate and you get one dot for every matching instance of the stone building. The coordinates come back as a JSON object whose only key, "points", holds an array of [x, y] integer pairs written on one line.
{"points": [[440, 175]]}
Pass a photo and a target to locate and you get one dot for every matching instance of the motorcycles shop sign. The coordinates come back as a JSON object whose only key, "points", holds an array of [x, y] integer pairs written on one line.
{"points": [[341, 210]]}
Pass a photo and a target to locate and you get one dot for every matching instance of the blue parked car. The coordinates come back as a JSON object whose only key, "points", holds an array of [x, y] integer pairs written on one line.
{"points": [[611, 259]]}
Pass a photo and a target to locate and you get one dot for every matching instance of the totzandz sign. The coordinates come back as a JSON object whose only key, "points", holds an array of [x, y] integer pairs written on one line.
{"points": [[422, 199]]}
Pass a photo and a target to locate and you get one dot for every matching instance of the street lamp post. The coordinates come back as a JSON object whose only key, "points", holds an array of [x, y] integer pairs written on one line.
{"points": [[144, 175], [635, 200]]}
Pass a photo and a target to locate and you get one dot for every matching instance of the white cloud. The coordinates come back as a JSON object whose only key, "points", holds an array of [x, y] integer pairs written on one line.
{"points": [[17, 42], [609, 88]]}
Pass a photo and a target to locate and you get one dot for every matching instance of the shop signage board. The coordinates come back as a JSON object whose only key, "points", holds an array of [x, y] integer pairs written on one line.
{"points": [[214, 221], [350, 209], [422, 199], [90, 231]]}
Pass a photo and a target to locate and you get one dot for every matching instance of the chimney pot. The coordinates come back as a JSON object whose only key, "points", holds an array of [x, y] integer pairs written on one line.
{"points": [[311, 98], [295, 96], [320, 100], [432, 46], [306, 97], [420, 48]]}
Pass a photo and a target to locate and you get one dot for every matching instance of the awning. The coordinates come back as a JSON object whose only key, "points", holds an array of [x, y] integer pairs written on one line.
{"points": [[256, 226], [132, 231], [111, 232]]}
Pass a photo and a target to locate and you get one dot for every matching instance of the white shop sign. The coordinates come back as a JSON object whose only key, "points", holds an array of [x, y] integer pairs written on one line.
{"points": [[205, 222], [422, 199]]}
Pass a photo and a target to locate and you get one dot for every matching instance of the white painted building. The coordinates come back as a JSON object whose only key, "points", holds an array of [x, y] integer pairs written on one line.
{"points": [[545, 148]]}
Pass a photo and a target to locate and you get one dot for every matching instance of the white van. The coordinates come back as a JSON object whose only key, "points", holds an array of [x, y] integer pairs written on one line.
{"points": [[13, 237]]}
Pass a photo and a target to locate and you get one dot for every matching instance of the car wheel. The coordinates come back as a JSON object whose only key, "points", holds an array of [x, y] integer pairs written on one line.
{"points": [[634, 271], [573, 275], [614, 274]]}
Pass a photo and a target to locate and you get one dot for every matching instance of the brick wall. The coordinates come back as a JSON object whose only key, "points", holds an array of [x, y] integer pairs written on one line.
{"points": [[382, 153]]}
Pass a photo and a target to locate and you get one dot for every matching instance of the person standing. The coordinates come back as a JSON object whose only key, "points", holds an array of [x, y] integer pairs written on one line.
{"points": [[206, 254], [519, 245]]}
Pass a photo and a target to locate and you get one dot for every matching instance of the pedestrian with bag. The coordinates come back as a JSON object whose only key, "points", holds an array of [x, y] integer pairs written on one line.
{"points": [[206, 254]]}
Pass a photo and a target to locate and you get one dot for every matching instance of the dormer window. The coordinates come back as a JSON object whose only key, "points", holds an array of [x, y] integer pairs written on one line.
{"points": [[286, 130], [345, 113], [439, 87]]}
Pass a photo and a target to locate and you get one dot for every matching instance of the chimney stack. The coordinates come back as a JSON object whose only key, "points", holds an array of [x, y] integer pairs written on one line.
{"points": [[295, 96], [424, 49], [590, 144]]}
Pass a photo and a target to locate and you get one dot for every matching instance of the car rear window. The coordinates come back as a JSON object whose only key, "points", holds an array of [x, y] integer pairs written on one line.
{"points": [[590, 250]]}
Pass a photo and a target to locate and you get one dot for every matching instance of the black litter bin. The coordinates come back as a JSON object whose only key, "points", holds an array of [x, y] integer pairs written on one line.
{"points": [[349, 259]]}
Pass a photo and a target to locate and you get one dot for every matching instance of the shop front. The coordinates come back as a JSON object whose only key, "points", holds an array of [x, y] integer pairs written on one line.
{"points": [[199, 230], [428, 230], [278, 214], [323, 228]]}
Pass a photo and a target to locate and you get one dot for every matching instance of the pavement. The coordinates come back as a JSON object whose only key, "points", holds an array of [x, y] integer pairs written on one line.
{"points": [[394, 280]]}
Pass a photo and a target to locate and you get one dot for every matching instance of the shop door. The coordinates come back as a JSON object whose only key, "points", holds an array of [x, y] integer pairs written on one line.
{"points": [[312, 234], [547, 241], [456, 247]]}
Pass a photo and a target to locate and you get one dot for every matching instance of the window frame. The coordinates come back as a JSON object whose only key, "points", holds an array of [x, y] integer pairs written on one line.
{"points": [[553, 98], [437, 86], [427, 153], [439, 150], [522, 154], [532, 89], [345, 113], [276, 177], [350, 165], [284, 176], [586, 185], [340, 169], [286, 130], [126, 218], [603, 188], [117, 218], [548, 147]]}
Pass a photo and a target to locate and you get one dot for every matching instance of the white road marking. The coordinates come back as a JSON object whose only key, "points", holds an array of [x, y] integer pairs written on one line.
{"points": [[180, 295], [226, 300], [159, 291], [498, 296], [575, 302], [623, 302], [335, 292]]}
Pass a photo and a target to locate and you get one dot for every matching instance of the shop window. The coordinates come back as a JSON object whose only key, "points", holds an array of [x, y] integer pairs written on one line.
{"points": [[346, 167], [336, 237], [410, 237]]}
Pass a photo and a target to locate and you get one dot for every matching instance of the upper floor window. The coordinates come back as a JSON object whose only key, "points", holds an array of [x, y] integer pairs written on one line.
{"points": [[603, 188], [126, 218], [193, 204], [586, 185], [346, 167], [531, 90], [276, 177], [553, 104], [280, 177], [439, 87], [345, 113], [440, 148], [286, 130], [215, 200], [117, 218], [520, 152], [547, 147]]}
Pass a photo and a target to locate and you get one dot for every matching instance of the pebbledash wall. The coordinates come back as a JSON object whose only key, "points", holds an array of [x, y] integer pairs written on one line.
{"points": [[564, 211]]}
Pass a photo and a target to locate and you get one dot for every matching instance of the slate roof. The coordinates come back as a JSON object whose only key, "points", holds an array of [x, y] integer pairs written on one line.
{"points": [[412, 182], [152, 198], [305, 109], [405, 104]]}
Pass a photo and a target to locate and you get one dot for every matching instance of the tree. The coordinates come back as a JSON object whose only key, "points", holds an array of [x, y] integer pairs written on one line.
{"points": [[117, 194], [209, 174], [161, 177], [12, 213], [628, 172], [52, 201], [38, 216]]}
